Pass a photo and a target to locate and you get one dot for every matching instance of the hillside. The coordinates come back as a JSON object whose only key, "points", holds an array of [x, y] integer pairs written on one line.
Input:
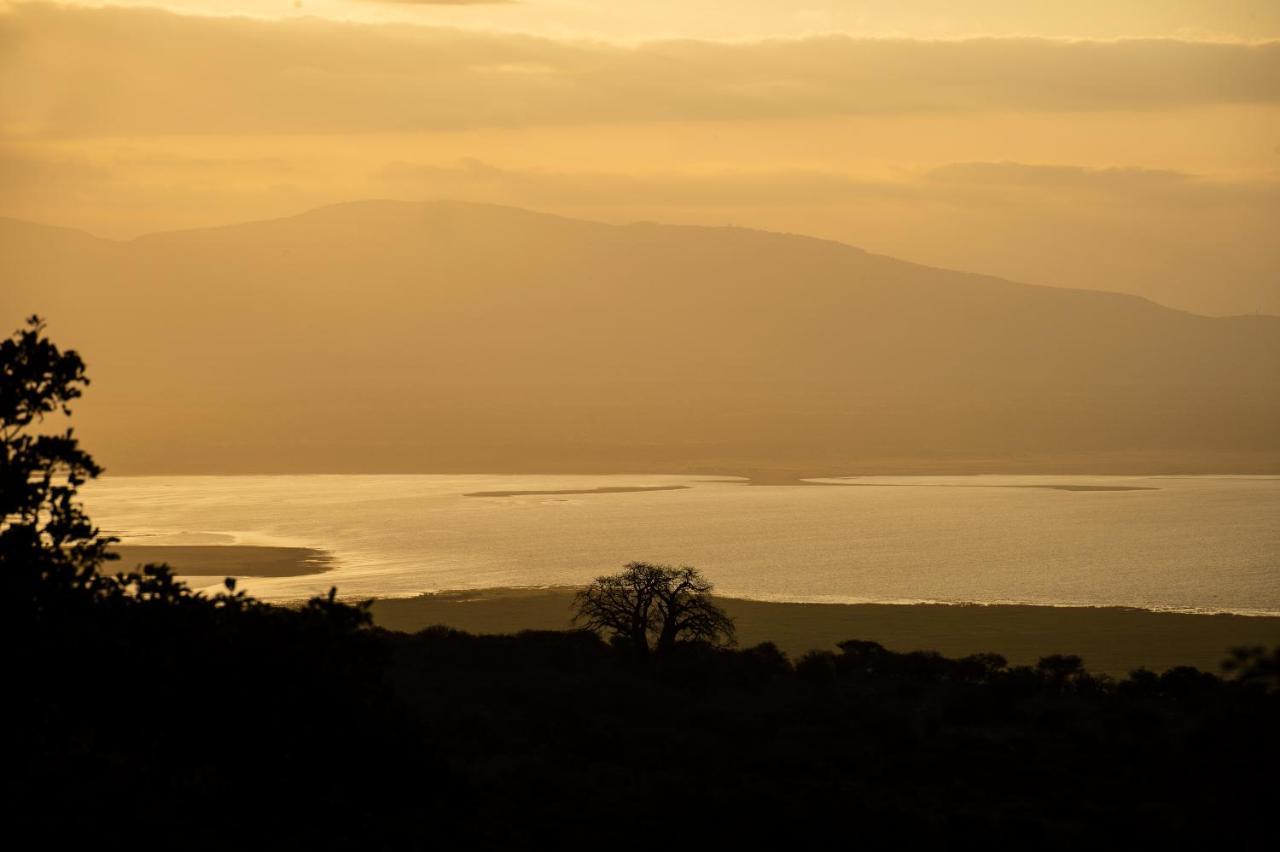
{"points": [[391, 336]]}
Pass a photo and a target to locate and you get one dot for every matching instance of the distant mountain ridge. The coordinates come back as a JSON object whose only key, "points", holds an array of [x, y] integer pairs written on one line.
{"points": [[443, 336]]}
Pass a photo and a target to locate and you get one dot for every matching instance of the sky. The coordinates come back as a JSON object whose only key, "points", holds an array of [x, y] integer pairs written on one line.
{"points": [[1248, 20], [1122, 145]]}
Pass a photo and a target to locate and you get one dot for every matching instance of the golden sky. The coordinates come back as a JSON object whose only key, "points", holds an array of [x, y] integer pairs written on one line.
{"points": [[734, 19], [1121, 145]]}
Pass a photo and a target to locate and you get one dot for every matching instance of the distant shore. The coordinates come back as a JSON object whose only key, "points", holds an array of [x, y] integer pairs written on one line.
{"points": [[1112, 640]]}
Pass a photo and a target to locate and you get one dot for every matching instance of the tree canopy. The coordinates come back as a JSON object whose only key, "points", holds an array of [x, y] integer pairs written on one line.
{"points": [[651, 607], [46, 539]]}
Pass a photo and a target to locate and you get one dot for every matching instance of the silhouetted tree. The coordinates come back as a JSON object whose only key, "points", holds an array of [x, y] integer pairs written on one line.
{"points": [[48, 545], [817, 668], [652, 607], [685, 611], [621, 605], [51, 554], [1061, 671], [1255, 666], [96, 666], [980, 667]]}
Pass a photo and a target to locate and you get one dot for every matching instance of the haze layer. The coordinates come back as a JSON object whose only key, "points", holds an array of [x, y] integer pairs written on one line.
{"points": [[390, 336]]}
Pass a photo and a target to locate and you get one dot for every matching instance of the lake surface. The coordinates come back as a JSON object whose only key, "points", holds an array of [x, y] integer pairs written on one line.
{"points": [[1182, 543]]}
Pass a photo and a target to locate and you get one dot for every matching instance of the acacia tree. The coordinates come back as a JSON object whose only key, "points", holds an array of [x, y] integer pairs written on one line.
{"points": [[46, 539], [650, 608]]}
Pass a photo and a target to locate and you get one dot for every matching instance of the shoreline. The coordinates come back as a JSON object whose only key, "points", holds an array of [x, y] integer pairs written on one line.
{"points": [[1111, 640], [1131, 465]]}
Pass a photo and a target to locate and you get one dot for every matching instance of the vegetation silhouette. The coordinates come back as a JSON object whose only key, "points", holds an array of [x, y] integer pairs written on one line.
{"points": [[145, 710], [142, 712], [649, 608]]}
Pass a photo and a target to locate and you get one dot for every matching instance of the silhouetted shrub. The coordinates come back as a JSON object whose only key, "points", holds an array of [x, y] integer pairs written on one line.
{"points": [[817, 668], [1255, 667]]}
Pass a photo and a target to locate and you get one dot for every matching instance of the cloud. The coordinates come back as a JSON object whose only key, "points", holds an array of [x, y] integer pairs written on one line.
{"points": [[444, 2], [1153, 187], [1026, 175], [548, 188], [84, 72], [534, 187], [477, 180], [20, 175]]}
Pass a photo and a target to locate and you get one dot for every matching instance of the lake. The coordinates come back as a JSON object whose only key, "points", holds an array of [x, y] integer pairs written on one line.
{"points": [[1197, 544]]}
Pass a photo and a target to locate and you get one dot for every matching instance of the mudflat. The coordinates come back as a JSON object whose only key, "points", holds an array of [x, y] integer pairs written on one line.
{"points": [[225, 560], [1112, 640]]}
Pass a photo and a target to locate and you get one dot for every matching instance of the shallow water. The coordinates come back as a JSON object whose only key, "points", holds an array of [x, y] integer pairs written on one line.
{"points": [[1182, 543]]}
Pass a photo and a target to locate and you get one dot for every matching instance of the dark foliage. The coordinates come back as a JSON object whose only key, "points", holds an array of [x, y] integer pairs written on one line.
{"points": [[145, 714], [650, 607], [140, 710]]}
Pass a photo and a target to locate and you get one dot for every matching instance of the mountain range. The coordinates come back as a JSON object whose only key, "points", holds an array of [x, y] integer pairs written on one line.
{"points": [[386, 336]]}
